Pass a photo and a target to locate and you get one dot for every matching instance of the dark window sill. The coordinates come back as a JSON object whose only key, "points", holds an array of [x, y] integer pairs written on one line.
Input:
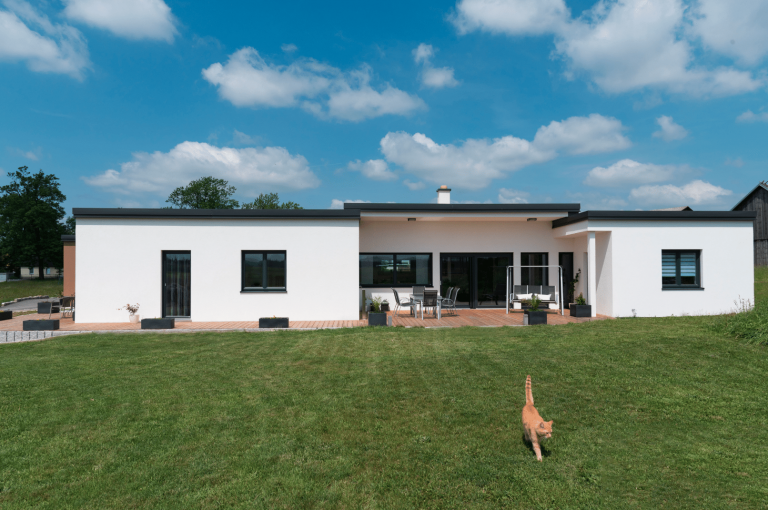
{"points": [[682, 288], [262, 291], [394, 286]]}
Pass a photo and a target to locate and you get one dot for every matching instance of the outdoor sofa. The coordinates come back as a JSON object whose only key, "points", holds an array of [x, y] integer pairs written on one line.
{"points": [[543, 291]]}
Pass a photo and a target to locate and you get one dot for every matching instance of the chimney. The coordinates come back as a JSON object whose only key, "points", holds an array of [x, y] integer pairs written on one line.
{"points": [[443, 195]]}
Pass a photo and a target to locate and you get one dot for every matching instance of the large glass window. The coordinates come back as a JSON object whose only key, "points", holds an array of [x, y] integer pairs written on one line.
{"points": [[680, 269], [263, 271], [534, 275], [391, 270]]}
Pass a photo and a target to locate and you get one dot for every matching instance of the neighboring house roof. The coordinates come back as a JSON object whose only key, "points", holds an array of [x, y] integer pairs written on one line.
{"points": [[763, 185], [66, 238], [217, 213], [683, 208], [568, 208], [657, 215]]}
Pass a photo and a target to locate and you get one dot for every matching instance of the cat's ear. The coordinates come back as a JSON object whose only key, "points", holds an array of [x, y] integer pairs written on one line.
{"points": [[550, 422]]}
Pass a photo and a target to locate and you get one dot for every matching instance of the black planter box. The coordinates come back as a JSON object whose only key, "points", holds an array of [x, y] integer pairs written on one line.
{"points": [[534, 318], [377, 319], [6, 315], [47, 307], [273, 322], [165, 323], [41, 325], [580, 310]]}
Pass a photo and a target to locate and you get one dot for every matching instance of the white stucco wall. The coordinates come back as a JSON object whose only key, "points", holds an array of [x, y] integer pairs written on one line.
{"points": [[629, 265], [119, 262], [438, 237]]}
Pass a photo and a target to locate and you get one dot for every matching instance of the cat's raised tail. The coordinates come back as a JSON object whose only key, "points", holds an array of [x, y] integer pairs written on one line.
{"points": [[528, 392]]}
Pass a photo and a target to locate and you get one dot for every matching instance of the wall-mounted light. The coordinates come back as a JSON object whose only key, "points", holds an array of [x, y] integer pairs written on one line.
{"points": [[531, 219], [411, 219]]}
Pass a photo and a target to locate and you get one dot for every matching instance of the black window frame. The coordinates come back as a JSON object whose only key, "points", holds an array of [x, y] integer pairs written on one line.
{"points": [[249, 290], [394, 272], [679, 285]]}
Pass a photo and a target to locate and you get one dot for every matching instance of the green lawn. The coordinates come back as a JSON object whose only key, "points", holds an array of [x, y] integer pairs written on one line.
{"points": [[25, 288], [649, 413]]}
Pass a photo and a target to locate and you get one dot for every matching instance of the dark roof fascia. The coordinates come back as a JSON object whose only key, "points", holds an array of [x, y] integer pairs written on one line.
{"points": [[657, 216], [240, 214], [761, 185], [67, 238], [457, 208]]}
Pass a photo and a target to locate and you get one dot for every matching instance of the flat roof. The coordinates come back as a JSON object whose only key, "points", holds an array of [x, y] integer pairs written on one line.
{"points": [[67, 238], [657, 216], [240, 214], [448, 208]]}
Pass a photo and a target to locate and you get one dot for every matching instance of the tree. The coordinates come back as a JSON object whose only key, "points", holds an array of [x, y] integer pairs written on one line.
{"points": [[270, 201], [69, 226], [204, 193], [30, 220]]}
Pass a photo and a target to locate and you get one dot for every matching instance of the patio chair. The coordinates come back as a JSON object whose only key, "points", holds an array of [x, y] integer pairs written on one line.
{"points": [[68, 307], [449, 302], [430, 301], [44, 307], [401, 304]]}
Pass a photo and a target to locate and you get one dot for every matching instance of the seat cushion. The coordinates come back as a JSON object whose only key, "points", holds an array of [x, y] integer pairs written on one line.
{"points": [[524, 296]]}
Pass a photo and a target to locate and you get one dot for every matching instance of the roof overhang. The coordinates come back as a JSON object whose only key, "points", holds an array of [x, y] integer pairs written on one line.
{"points": [[656, 216], [462, 212], [217, 214]]}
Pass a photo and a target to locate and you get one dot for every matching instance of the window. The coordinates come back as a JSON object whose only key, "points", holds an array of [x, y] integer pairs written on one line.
{"points": [[534, 275], [31, 270], [263, 271], [392, 270], [680, 269], [47, 270]]}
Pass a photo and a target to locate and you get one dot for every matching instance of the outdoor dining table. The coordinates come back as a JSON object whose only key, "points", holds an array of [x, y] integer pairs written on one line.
{"points": [[419, 298]]}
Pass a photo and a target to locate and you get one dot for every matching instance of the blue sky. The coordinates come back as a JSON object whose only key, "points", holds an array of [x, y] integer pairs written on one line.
{"points": [[637, 104]]}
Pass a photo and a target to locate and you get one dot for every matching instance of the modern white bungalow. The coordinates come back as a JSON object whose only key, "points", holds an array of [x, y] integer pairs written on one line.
{"points": [[240, 265]]}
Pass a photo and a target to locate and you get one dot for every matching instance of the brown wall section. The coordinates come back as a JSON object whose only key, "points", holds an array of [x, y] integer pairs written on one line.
{"points": [[69, 268]]}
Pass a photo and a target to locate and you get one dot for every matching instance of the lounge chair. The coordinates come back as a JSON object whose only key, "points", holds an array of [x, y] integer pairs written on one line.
{"points": [[402, 304]]}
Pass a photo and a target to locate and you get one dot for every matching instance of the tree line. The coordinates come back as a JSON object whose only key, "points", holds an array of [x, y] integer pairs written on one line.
{"points": [[32, 216]]}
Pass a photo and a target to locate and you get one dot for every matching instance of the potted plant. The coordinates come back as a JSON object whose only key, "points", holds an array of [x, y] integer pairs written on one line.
{"points": [[580, 308], [158, 323], [533, 315], [132, 309], [377, 317], [41, 325], [273, 322], [6, 315]]}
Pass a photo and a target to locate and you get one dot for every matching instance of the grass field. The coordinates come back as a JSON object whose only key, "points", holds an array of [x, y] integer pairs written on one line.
{"points": [[648, 413], [25, 288]]}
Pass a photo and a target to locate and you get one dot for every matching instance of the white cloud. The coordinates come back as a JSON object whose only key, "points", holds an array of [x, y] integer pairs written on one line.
{"points": [[583, 135], [134, 19], [695, 192], [289, 48], [433, 77], [251, 170], [26, 35], [247, 80], [376, 169], [513, 17], [414, 186], [240, 138], [34, 155], [621, 46], [339, 204], [736, 30], [750, 116], [669, 129], [738, 162], [513, 196], [629, 172], [474, 163]]}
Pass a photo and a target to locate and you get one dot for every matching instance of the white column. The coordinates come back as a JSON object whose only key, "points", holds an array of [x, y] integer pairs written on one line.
{"points": [[592, 272]]}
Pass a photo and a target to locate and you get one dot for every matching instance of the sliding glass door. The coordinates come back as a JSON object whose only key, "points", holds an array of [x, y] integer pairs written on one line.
{"points": [[481, 277], [176, 284]]}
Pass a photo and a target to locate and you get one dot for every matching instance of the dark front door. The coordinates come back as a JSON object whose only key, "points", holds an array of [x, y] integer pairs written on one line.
{"points": [[566, 262], [481, 278], [176, 284]]}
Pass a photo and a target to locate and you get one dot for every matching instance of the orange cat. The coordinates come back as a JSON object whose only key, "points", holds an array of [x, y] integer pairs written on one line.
{"points": [[536, 429]]}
